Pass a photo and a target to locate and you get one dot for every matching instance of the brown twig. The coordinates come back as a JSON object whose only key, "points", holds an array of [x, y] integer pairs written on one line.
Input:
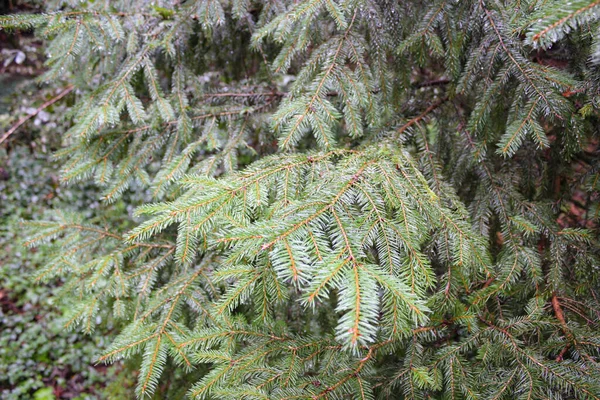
{"points": [[435, 82], [558, 312], [252, 94], [560, 316], [422, 115], [26, 118]]}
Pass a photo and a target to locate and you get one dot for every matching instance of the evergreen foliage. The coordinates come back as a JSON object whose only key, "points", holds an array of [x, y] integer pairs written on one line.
{"points": [[345, 199]]}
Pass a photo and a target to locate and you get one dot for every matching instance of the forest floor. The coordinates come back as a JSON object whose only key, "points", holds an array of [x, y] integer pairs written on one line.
{"points": [[39, 359]]}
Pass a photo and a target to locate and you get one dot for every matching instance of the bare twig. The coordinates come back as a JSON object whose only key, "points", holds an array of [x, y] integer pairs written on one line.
{"points": [[26, 118], [435, 82], [422, 115], [251, 94], [558, 312], [560, 316]]}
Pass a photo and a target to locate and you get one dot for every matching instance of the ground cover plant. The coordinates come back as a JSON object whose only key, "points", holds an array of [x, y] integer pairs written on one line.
{"points": [[39, 359], [342, 199]]}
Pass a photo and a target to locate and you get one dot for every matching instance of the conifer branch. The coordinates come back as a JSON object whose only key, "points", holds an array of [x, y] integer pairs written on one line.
{"points": [[292, 236]]}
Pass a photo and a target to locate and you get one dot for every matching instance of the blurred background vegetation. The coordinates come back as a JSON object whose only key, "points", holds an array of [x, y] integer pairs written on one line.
{"points": [[39, 359]]}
